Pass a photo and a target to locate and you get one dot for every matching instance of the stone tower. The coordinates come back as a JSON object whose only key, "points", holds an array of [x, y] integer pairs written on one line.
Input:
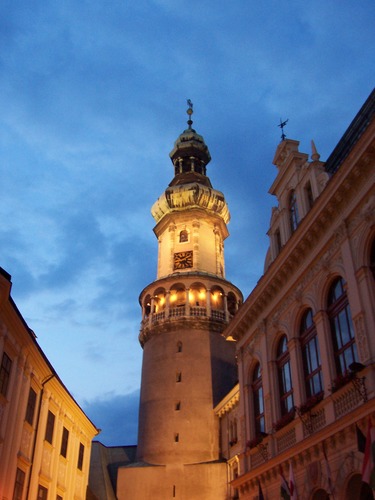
{"points": [[188, 366]]}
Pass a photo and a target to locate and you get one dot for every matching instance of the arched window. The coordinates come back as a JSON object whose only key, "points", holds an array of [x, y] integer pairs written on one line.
{"points": [[257, 389], [341, 327], [320, 495], [293, 211], [284, 376], [184, 236], [311, 356], [358, 489]]}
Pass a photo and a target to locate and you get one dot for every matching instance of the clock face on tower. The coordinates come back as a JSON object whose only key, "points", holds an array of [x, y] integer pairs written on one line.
{"points": [[183, 260]]}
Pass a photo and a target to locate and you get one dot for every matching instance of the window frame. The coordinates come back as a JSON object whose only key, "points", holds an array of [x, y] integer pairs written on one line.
{"points": [[341, 324], [50, 427], [283, 366], [19, 484], [309, 344], [64, 442], [294, 217], [31, 405], [81, 454], [258, 400], [5, 373]]}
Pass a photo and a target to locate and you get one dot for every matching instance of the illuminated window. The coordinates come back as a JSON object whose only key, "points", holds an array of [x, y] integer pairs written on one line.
{"points": [[293, 211], [64, 442], [257, 390], [6, 365], [19, 484], [341, 327], [50, 426], [284, 376], [311, 356], [31, 403]]}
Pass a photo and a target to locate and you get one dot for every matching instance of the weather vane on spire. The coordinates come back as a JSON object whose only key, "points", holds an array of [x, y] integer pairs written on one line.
{"points": [[189, 112], [282, 125]]}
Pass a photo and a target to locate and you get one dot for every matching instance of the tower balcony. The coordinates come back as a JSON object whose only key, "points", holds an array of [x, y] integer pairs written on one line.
{"points": [[189, 298]]}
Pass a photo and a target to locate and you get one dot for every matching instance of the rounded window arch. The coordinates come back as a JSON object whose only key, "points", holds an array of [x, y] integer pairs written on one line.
{"points": [[232, 303], [177, 296], [160, 300], [217, 298], [310, 355], [197, 295], [342, 330], [147, 306], [284, 376], [184, 236], [258, 401], [320, 494], [356, 489]]}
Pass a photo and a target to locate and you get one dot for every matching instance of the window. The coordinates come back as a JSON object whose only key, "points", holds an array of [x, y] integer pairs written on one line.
{"points": [[42, 493], [50, 426], [19, 484], [184, 236], [6, 365], [178, 377], [59, 497], [284, 376], [310, 356], [177, 406], [179, 346], [309, 196], [176, 437], [80, 456], [31, 403], [293, 212], [64, 442], [341, 327], [257, 390], [278, 240]]}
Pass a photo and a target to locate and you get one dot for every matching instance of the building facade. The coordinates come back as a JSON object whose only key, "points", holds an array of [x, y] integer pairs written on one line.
{"points": [[188, 366], [305, 338], [45, 437]]}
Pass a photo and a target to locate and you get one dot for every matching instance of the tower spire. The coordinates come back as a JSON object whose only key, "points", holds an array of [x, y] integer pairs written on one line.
{"points": [[189, 111]]}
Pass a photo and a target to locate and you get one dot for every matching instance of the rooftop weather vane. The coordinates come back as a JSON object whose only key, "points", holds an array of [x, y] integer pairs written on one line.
{"points": [[189, 112], [282, 125]]}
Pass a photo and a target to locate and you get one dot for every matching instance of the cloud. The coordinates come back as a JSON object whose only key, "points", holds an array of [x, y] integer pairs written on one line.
{"points": [[117, 416]]}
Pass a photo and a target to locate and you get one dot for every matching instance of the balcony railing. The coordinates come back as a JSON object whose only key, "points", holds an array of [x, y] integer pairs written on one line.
{"points": [[184, 311]]}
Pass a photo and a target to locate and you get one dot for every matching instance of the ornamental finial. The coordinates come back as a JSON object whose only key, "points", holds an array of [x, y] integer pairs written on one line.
{"points": [[282, 125], [189, 111]]}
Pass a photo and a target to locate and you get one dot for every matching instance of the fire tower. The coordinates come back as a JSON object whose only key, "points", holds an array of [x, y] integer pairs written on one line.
{"points": [[188, 366]]}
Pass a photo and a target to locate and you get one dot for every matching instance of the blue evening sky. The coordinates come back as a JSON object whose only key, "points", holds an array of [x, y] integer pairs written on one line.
{"points": [[92, 97]]}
